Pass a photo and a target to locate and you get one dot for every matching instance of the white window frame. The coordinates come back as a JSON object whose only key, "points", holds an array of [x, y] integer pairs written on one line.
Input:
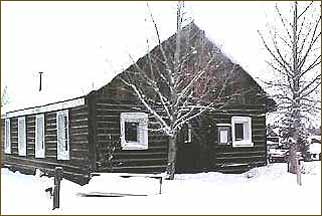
{"points": [[224, 135], [22, 140], [63, 144], [223, 127], [247, 131], [7, 137], [142, 119], [40, 141]]}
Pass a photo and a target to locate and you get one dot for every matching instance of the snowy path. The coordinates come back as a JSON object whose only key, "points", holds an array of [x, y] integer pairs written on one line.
{"points": [[269, 190]]}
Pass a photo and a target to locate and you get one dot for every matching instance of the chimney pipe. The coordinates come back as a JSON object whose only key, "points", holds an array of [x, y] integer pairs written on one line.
{"points": [[40, 80]]}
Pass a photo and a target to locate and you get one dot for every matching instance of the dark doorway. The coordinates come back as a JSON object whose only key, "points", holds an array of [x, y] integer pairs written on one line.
{"points": [[188, 152]]}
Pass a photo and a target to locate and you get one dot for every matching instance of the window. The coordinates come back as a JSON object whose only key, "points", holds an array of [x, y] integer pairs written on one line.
{"points": [[134, 131], [241, 131], [40, 136], [131, 131], [7, 143], [22, 136], [223, 134], [62, 135]]}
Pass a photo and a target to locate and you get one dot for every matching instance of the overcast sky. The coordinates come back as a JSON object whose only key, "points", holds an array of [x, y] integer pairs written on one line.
{"points": [[81, 45]]}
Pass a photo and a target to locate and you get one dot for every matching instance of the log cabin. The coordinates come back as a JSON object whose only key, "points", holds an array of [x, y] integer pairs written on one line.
{"points": [[106, 130]]}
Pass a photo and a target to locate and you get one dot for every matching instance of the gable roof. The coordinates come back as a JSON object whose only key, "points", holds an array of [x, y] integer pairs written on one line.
{"points": [[59, 95], [194, 31]]}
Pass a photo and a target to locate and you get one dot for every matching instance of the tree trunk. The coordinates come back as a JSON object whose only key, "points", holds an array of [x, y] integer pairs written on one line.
{"points": [[296, 83], [172, 158], [292, 158], [171, 168]]}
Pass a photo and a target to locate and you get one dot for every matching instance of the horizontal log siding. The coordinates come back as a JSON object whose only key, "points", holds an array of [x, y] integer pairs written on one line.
{"points": [[152, 160], [230, 159], [78, 165]]}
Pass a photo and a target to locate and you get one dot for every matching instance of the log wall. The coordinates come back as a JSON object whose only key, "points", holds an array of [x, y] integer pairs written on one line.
{"points": [[226, 158], [111, 101], [76, 169]]}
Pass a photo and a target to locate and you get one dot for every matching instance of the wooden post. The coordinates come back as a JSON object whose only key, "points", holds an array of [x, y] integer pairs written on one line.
{"points": [[160, 185], [40, 80], [292, 158], [298, 173], [58, 177]]}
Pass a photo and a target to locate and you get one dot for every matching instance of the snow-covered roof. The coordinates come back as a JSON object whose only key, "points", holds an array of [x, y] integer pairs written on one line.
{"points": [[316, 138], [62, 81], [315, 148], [51, 94], [271, 143], [57, 91], [277, 151]]}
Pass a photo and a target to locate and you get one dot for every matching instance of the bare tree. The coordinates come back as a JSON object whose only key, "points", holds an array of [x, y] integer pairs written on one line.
{"points": [[294, 46], [180, 79]]}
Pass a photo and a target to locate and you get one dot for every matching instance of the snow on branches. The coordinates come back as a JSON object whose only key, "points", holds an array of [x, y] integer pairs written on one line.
{"points": [[181, 78], [293, 43]]}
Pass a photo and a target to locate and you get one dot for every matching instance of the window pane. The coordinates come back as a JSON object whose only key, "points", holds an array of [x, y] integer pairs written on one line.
{"points": [[42, 135], [66, 132], [131, 131], [187, 134], [223, 136], [134, 130], [239, 131], [62, 135], [7, 137], [40, 132], [7, 134], [21, 137]]}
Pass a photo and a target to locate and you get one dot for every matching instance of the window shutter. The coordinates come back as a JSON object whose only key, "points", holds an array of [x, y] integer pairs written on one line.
{"points": [[62, 135], [7, 146], [40, 136], [22, 136]]}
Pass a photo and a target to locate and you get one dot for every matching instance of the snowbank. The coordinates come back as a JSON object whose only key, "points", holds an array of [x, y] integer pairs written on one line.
{"points": [[264, 190]]}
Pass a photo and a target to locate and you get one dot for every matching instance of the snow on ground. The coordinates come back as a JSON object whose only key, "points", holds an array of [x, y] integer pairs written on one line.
{"points": [[264, 190]]}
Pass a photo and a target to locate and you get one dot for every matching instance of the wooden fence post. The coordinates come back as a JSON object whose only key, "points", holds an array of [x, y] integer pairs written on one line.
{"points": [[160, 189], [298, 172], [58, 177]]}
